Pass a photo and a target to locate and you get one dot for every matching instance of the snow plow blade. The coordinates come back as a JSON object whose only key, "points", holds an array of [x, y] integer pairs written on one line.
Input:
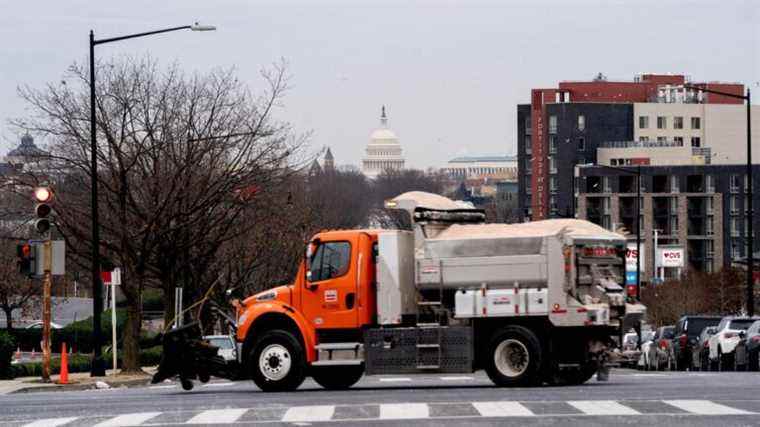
{"points": [[187, 355]]}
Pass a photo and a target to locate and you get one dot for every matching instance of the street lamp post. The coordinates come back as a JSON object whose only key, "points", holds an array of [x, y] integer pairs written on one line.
{"points": [[750, 214], [97, 366], [637, 172]]}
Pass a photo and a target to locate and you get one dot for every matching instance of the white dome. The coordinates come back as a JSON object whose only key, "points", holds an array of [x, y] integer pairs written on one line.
{"points": [[383, 136]]}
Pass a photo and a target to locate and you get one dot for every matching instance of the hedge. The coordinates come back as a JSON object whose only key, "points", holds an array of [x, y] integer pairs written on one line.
{"points": [[81, 363], [7, 347]]}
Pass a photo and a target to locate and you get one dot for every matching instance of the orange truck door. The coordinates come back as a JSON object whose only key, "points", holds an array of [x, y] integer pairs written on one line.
{"points": [[330, 298]]}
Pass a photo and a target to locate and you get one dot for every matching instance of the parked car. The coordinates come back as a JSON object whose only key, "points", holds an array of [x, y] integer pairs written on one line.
{"points": [[39, 323], [658, 352], [723, 343], [687, 331], [748, 349], [630, 352], [700, 350], [646, 342], [226, 344]]}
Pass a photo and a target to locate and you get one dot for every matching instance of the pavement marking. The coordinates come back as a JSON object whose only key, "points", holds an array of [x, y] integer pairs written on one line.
{"points": [[51, 422], [502, 409], [221, 384], [457, 378], [391, 380], [705, 407], [400, 411], [163, 386], [217, 416], [309, 413], [602, 407], [128, 419]]}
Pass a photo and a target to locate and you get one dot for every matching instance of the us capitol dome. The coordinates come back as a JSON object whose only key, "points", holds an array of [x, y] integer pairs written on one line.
{"points": [[383, 151]]}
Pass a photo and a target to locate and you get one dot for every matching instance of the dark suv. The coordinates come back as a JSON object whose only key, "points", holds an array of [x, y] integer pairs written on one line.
{"points": [[686, 334]]}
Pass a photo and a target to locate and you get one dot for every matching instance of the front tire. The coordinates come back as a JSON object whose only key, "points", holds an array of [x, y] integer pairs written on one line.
{"points": [[337, 377], [514, 357], [277, 361]]}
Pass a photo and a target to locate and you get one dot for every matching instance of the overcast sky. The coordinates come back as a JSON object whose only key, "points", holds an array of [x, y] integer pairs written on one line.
{"points": [[449, 72]]}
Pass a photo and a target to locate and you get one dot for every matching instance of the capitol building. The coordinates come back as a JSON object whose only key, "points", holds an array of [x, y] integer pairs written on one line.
{"points": [[383, 151]]}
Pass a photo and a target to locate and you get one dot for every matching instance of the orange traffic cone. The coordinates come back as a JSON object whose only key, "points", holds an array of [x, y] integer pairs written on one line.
{"points": [[64, 378]]}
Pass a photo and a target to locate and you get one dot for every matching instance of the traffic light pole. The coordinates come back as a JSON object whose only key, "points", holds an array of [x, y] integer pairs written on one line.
{"points": [[46, 315]]}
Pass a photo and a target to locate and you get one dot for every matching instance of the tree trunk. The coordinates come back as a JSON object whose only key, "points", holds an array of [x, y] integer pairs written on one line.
{"points": [[8, 319], [131, 338]]}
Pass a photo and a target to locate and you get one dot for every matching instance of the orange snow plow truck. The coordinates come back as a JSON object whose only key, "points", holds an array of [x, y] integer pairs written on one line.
{"points": [[528, 303]]}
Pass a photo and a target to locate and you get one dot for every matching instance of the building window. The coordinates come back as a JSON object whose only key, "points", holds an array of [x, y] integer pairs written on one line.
{"points": [[552, 144], [613, 162], [528, 146], [661, 139], [552, 165], [733, 204], [581, 122], [552, 124], [553, 184], [696, 141], [678, 140], [581, 144], [677, 122], [662, 122], [696, 123], [643, 122], [674, 184], [643, 139], [710, 183], [734, 183]]}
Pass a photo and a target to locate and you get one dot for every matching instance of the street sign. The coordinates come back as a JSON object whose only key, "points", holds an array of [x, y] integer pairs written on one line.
{"points": [[105, 277], [630, 277], [58, 258], [671, 257]]}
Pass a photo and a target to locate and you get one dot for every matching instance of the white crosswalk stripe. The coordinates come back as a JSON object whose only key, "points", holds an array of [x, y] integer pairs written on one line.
{"points": [[705, 407], [217, 416], [603, 407], [51, 422], [400, 411], [502, 409], [309, 413], [128, 419]]}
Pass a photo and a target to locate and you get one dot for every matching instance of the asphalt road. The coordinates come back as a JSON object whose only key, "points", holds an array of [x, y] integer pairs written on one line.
{"points": [[630, 397]]}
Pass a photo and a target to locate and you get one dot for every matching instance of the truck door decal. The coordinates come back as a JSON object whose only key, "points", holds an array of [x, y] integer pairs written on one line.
{"points": [[331, 295]]}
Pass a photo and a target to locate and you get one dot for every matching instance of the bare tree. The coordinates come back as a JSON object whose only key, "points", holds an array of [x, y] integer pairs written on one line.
{"points": [[17, 292], [179, 160]]}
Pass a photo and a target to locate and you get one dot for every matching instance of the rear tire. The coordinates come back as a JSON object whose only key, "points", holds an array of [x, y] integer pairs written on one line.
{"points": [[277, 361], [337, 377], [514, 357]]}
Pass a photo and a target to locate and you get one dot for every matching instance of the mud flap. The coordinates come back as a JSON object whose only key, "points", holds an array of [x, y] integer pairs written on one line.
{"points": [[187, 355]]}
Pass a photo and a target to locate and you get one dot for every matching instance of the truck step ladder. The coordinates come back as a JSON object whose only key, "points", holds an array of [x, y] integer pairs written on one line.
{"points": [[429, 348]]}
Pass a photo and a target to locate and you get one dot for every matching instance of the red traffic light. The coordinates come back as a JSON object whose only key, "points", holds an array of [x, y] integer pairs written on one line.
{"points": [[43, 194], [24, 251]]}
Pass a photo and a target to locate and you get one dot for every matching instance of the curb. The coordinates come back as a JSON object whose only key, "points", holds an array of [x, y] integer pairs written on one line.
{"points": [[79, 387]]}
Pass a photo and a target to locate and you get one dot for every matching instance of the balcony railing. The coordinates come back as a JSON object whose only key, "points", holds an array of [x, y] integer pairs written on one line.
{"points": [[641, 144]]}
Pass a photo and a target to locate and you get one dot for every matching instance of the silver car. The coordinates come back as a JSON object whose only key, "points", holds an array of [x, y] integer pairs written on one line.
{"points": [[226, 344]]}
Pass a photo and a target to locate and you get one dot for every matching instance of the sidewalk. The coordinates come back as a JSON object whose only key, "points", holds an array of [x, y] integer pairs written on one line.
{"points": [[77, 381]]}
